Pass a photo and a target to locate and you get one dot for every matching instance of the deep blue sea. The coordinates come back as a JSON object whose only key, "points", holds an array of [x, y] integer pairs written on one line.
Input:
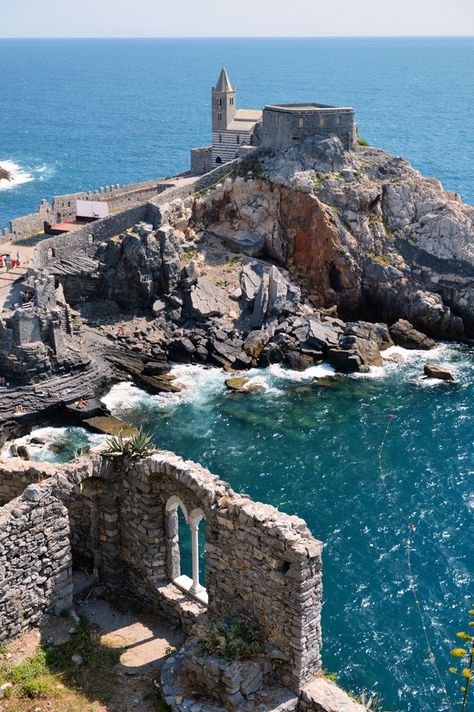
{"points": [[80, 114]]}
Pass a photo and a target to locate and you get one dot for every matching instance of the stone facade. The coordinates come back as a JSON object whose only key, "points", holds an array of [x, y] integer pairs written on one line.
{"points": [[287, 125], [237, 131]]}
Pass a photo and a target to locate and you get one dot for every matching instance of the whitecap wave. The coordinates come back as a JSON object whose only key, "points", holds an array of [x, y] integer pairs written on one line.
{"points": [[18, 175], [324, 370], [40, 441], [200, 384]]}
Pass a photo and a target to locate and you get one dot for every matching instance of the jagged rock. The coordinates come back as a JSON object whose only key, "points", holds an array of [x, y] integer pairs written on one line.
{"points": [[272, 353], [255, 342], [404, 334], [261, 302], [229, 353], [434, 370], [156, 368], [181, 349], [298, 361], [21, 451], [170, 265], [158, 307], [206, 300], [250, 281], [322, 336]]}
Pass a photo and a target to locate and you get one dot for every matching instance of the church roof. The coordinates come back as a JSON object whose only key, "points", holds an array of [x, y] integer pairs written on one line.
{"points": [[223, 83], [245, 120]]}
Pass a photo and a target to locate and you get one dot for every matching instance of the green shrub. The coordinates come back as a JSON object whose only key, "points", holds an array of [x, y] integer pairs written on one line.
{"points": [[134, 447], [41, 686], [237, 638]]}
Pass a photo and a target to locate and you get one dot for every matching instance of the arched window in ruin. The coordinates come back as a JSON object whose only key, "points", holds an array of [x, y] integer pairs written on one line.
{"points": [[51, 253], [193, 520], [219, 160]]}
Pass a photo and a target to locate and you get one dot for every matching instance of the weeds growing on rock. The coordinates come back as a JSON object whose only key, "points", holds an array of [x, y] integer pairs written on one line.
{"points": [[235, 639]]}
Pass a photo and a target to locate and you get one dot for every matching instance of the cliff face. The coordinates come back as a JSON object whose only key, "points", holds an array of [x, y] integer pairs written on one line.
{"points": [[361, 230]]}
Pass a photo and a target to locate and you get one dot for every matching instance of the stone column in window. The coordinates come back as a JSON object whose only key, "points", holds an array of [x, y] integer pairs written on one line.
{"points": [[194, 525]]}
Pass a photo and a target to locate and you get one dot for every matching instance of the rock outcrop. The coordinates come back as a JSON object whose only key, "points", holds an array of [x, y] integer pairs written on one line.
{"points": [[361, 230], [5, 175]]}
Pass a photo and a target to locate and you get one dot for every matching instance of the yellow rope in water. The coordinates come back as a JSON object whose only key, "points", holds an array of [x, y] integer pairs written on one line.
{"points": [[411, 581]]}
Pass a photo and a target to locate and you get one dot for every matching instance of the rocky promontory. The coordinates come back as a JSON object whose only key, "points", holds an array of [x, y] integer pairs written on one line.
{"points": [[294, 257]]}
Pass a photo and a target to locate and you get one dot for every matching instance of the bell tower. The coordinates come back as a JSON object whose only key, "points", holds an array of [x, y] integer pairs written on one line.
{"points": [[223, 102]]}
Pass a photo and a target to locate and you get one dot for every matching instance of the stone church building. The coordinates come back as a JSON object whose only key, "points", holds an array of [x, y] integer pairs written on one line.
{"points": [[279, 126]]}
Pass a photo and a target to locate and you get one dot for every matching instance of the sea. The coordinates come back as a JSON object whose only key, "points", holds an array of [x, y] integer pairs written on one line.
{"points": [[370, 462]]}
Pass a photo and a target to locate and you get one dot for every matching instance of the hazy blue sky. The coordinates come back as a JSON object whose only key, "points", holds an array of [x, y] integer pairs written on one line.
{"points": [[177, 18]]}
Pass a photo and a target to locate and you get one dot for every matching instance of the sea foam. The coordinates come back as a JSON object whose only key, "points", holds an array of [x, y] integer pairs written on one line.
{"points": [[18, 174]]}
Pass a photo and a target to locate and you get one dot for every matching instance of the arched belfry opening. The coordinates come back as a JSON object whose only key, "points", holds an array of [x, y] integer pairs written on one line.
{"points": [[182, 545]]}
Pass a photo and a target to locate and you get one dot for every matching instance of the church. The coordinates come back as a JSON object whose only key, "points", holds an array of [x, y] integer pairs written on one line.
{"points": [[236, 132]]}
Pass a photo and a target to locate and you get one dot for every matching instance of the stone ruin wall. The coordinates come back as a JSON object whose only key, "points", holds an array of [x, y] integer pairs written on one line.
{"points": [[63, 207], [259, 562], [250, 549]]}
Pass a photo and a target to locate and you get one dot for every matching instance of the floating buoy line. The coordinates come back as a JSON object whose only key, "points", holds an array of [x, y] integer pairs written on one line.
{"points": [[410, 530]]}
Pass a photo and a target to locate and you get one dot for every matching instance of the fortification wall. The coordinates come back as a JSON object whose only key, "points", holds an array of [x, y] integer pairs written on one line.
{"points": [[284, 127], [63, 207], [64, 246]]}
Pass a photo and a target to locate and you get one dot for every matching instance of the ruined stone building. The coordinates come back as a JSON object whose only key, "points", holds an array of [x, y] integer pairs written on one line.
{"points": [[279, 126], [123, 516]]}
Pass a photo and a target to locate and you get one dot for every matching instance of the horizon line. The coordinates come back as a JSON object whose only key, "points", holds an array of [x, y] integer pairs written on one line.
{"points": [[228, 37]]}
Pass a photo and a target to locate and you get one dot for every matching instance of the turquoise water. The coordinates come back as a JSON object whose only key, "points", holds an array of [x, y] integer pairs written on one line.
{"points": [[313, 451], [78, 114]]}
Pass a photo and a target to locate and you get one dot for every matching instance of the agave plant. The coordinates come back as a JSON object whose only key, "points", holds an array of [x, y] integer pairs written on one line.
{"points": [[134, 447]]}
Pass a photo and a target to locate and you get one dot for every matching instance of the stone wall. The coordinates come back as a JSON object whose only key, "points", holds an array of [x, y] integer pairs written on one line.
{"points": [[259, 563], [201, 160], [35, 559], [288, 125], [83, 240], [63, 207], [126, 525]]}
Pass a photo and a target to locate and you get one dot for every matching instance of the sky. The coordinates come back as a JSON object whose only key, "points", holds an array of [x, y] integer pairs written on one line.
{"points": [[237, 18]]}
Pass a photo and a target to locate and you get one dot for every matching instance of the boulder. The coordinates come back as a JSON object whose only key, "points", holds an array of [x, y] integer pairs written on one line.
{"points": [[255, 342], [250, 280], [236, 384], [298, 361], [248, 243], [261, 302], [434, 370], [322, 336], [205, 300], [404, 334], [158, 307]]}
